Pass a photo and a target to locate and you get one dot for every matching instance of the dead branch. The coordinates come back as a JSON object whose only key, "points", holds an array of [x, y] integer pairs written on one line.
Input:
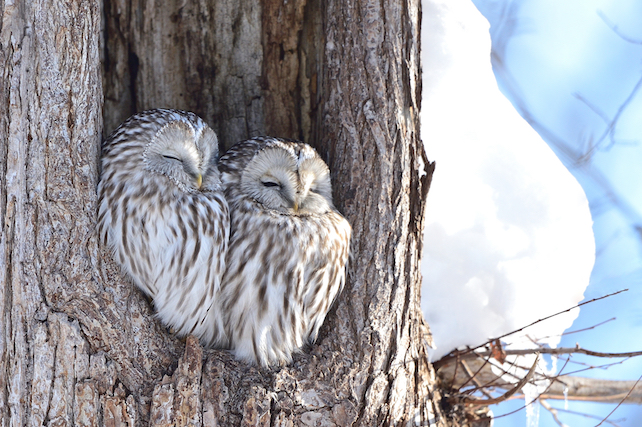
{"points": [[597, 390], [620, 403], [616, 29], [583, 329], [553, 412], [578, 388], [537, 398], [461, 354], [475, 381], [517, 387], [555, 351], [611, 123], [581, 414]]}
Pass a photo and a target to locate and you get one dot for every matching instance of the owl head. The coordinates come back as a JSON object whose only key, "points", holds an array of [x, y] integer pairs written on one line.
{"points": [[185, 155], [288, 177]]}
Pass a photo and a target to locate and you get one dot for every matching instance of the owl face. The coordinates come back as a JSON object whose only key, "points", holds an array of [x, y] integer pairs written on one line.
{"points": [[187, 159], [287, 181]]}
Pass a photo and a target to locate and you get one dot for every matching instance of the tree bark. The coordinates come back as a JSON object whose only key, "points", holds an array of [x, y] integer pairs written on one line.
{"points": [[79, 344]]}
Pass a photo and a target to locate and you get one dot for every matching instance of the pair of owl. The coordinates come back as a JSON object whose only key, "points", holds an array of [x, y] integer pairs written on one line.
{"points": [[247, 252]]}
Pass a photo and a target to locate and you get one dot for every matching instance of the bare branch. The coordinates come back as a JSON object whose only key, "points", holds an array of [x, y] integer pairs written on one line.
{"points": [[610, 130], [480, 387], [622, 401], [548, 317], [509, 393], [595, 390], [591, 367], [593, 107], [556, 351], [579, 330], [461, 354], [567, 152], [589, 328], [553, 412], [578, 388], [538, 397], [616, 29]]}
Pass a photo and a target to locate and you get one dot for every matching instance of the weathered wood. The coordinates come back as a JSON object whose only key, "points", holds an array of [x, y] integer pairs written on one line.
{"points": [[204, 57], [78, 343], [454, 376], [62, 300], [366, 121], [595, 390], [50, 122]]}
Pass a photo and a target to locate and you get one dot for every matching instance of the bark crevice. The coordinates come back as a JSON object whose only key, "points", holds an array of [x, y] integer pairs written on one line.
{"points": [[344, 77]]}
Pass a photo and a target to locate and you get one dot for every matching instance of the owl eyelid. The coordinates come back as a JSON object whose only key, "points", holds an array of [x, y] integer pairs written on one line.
{"points": [[270, 184], [172, 157]]}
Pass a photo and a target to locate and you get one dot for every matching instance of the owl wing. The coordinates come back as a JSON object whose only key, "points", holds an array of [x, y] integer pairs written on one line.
{"points": [[190, 266], [325, 277]]}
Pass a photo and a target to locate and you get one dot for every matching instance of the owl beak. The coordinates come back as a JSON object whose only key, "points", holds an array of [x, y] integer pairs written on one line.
{"points": [[295, 206], [199, 180]]}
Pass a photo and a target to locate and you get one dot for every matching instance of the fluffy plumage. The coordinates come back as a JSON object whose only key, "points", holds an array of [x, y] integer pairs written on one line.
{"points": [[288, 249], [163, 214]]}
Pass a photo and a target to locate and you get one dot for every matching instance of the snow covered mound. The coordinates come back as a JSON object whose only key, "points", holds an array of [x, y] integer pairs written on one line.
{"points": [[509, 235]]}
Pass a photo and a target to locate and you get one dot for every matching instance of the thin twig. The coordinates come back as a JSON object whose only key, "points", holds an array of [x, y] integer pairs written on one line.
{"points": [[589, 328], [621, 402], [582, 414], [468, 372], [553, 315], [553, 412], [486, 361], [559, 351], [509, 393], [451, 356], [605, 366], [519, 409], [593, 107], [492, 382], [588, 365], [616, 29], [611, 128]]}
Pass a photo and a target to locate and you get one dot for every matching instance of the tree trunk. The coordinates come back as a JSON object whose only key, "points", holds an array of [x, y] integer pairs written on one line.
{"points": [[79, 344]]}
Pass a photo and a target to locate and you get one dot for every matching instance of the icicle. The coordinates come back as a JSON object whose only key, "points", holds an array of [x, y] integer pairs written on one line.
{"points": [[565, 398], [532, 405]]}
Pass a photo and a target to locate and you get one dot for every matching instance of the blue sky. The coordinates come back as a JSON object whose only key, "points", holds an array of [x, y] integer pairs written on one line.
{"points": [[570, 67]]}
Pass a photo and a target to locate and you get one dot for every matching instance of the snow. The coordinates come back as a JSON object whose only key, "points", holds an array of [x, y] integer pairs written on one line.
{"points": [[508, 235]]}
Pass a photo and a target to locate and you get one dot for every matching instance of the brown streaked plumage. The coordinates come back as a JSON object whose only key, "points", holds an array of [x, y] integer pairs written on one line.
{"points": [[288, 248], [163, 214]]}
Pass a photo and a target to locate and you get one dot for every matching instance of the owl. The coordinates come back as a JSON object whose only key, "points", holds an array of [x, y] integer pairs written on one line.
{"points": [[163, 214], [288, 249]]}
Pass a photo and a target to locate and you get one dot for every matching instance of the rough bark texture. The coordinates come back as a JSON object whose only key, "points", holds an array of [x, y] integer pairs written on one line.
{"points": [[73, 331], [78, 343], [201, 56]]}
